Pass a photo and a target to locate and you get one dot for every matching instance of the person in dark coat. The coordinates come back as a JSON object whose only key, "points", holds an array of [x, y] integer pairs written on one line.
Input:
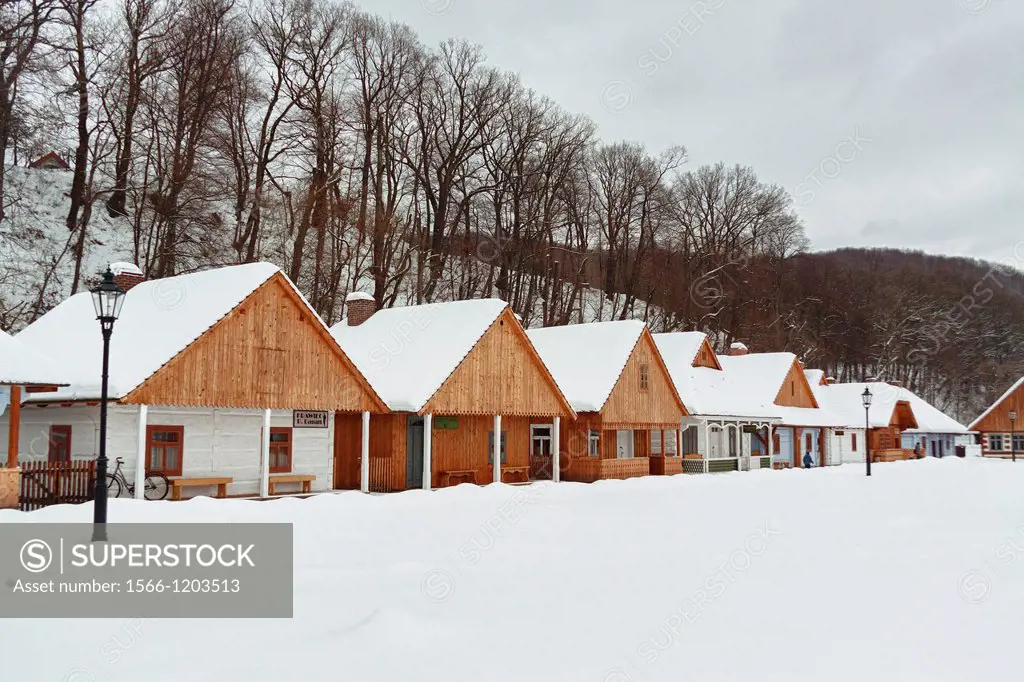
{"points": [[808, 460]]}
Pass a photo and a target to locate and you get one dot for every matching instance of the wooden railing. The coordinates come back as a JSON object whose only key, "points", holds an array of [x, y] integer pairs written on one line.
{"points": [[48, 483], [666, 466], [590, 469]]}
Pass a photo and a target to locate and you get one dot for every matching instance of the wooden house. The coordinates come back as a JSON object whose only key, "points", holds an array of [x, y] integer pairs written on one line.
{"points": [[800, 426], [1002, 436], [891, 414], [226, 381], [727, 428], [50, 161], [23, 371], [628, 410], [453, 375]]}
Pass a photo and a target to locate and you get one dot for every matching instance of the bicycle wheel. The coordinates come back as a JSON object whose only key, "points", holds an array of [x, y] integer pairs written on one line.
{"points": [[113, 486], [157, 486]]}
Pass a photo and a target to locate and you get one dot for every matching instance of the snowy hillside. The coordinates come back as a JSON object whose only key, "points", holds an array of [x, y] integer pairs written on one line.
{"points": [[36, 258], [771, 576]]}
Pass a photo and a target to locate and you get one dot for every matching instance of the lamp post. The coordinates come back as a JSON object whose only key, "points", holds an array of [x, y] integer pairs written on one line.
{"points": [[866, 399], [1013, 433], [106, 299]]}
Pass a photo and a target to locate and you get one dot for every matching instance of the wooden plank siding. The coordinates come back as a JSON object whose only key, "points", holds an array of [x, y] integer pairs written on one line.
{"points": [[270, 352], [631, 406], [998, 420], [796, 390], [465, 447], [502, 374], [387, 451], [706, 356]]}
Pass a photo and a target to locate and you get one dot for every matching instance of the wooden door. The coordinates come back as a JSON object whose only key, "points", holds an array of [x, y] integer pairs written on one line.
{"points": [[347, 445]]}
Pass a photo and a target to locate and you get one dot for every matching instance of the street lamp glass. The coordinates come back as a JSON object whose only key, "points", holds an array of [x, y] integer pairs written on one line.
{"points": [[866, 398], [1013, 415], [107, 298]]}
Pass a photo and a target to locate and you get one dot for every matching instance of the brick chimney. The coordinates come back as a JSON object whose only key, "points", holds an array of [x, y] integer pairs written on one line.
{"points": [[738, 349], [897, 384], [829, 381], [127, 275], [361, 307]]}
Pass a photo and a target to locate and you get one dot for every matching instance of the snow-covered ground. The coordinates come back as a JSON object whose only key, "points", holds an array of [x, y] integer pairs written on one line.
{"points": [[824, 575]]}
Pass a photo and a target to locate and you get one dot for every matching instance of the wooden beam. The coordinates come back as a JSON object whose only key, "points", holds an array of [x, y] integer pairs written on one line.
{"points": [[14, 430], [42, 389]]}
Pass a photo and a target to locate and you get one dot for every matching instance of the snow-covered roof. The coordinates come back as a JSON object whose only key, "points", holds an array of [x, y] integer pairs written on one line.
{"points": [[125, 268], [1013, 389], [814, 376], [845, 400], [358, 296], [159, 319], [408, 353], [706, 391], [21, 364], [761, 376], [586, 360]]}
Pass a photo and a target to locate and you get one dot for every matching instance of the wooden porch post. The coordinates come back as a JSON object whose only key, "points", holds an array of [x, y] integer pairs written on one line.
{"points": [[428, 438], [556, 447], [364, 457], [679, 442], [497, 448], [14, 429], [140, 454], [265, 456]]}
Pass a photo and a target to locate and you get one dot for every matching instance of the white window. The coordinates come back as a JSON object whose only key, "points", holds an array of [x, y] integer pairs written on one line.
{"points": [[540, 440], [624, 444], [670, 443], [655, 442], [594, 444], [995, 442]]}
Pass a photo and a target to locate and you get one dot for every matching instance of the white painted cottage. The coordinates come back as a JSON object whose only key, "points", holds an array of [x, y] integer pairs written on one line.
{"points": [[224, 380]]}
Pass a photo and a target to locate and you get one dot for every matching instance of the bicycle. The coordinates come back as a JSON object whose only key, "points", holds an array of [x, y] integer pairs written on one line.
{"points": [[155, 487]]}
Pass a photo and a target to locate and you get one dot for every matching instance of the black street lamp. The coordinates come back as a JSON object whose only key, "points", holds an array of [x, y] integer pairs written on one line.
{"points": [[107, 299], [866, 399], [1013, 435]]}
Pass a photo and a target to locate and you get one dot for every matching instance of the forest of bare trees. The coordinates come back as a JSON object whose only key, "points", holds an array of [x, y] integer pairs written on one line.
{"points": [[320, 137]]}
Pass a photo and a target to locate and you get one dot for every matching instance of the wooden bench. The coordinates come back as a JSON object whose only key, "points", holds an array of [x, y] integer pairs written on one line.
{"points": [[305, 479], [515, 474], [451, 477], [179, 482]]}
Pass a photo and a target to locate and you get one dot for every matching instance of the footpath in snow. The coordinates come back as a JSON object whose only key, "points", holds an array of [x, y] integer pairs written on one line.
{"points": [[914, 574]]}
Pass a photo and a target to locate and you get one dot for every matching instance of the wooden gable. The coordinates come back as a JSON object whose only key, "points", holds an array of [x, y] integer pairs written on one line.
{"points": [[630, 405], [903, 416], [796, 390], [503, 374], [998, 419], [270, 351], [706, 356]]}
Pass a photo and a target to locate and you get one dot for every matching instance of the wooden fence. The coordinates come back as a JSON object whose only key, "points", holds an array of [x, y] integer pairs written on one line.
{"points": [[47, 483]]}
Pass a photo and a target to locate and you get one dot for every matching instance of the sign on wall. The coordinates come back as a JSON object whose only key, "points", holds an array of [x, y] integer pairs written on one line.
{"points": [[309, 419], [446, 423]]}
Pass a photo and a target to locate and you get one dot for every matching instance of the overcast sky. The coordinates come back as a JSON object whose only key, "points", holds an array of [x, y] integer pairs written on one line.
{"points": [[892, 122]]}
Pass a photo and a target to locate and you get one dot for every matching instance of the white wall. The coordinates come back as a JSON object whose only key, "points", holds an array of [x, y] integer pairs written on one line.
{"points": [[218, 442], [840, 448]]}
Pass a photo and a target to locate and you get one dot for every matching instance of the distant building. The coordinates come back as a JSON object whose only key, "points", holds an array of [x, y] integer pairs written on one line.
{"points": [[50, 161]]}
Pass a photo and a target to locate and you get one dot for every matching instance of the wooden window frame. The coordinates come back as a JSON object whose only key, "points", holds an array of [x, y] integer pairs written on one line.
{"points": [[490, 447], [152, 429], [1017, 442], [853, 442], [645, 377], [55, 429], [278, 430], [534, 439], [1002, 442], [593, 443]]}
